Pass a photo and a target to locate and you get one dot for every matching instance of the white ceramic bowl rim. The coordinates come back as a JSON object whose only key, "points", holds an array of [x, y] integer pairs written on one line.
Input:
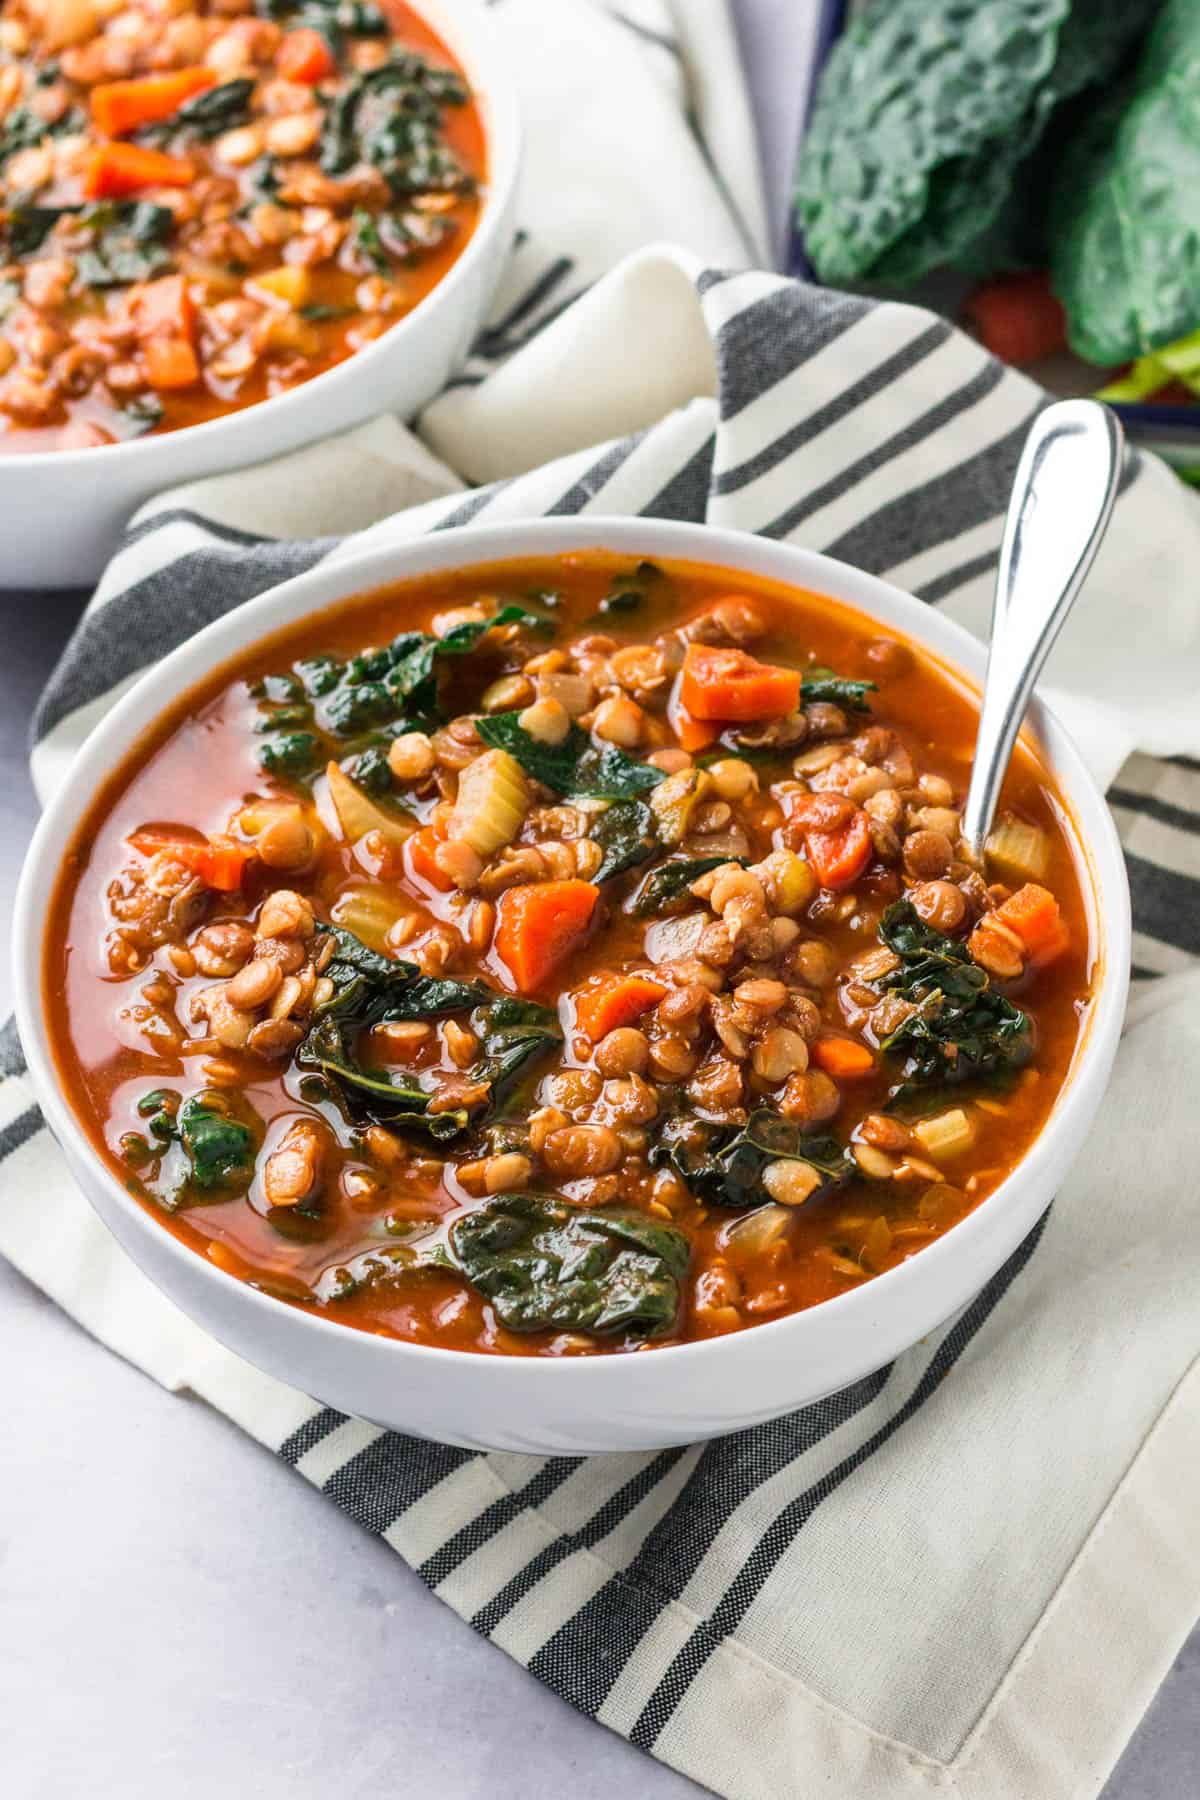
{"points": [[1104, 884], [471, 34]]}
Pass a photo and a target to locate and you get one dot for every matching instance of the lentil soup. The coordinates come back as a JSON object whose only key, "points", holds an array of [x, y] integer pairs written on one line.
{"points": [[566, 956], [204, 203]]}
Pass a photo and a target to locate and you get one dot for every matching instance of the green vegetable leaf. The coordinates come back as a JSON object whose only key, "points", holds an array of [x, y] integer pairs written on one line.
{"points": [[547, 1266], [627, 834], [371, 770], [219, 1148], [24, 229], [22, 129], [960, 1028], [1125, 212], [369, 988], [291, 755], [723, 1164], [126, 241], [576, 767], [671, 880], [207, 114], [391, 117], [377, 1094], [515, 1034], [822, 684]]}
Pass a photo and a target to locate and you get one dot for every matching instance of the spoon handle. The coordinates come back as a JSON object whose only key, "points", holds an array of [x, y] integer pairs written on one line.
{"points": [[1062, 499]]}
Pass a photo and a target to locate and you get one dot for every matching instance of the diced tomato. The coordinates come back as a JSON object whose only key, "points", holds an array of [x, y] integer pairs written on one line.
{"points": [[733, 687], [420, 859], [220, 862], [838, 857], [1017, 318], [305, 56], [610, 1001], [539, 925]]}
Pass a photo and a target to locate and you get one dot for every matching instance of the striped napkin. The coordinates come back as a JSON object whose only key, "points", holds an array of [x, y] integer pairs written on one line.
{"points": [[968, 1572]]}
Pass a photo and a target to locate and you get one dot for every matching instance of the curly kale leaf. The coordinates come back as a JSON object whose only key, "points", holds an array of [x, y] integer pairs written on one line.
{"points": [[391, 118], [723, 1164], [576, 768], [960, 1028], [207, 114], [515, 1034], [547, 1266]]}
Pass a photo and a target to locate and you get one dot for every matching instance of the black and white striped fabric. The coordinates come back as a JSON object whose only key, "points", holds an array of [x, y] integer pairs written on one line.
{"points": [[969, 1571]]}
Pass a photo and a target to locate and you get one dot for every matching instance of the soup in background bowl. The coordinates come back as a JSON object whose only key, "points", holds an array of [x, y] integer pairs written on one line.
{"points": [[571, 957]]}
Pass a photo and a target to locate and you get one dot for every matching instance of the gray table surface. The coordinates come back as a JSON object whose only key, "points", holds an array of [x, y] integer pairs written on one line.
{"points": [[180, 1616]]}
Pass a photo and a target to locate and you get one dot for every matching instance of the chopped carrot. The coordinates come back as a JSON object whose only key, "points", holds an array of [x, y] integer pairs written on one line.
{"points": [[420, 859], [843, 1058], [119, 107], [611, 1001], [733, 687], [305, 56], [220, 862], [1017, 318], [539, 925], [1033, 914], [694, 734], [170, 362], [839, 857], [112, 171]]}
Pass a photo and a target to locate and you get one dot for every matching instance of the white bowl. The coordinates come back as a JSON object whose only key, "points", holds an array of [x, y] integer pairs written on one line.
{"points": [[668, 1396], [64, 510]]}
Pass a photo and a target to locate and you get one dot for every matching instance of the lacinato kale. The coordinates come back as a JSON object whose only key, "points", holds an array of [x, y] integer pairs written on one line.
{"points": [[390, 689], [369, 989], [960, 1028], [823, 684], [723, 1164], [671, 880], [576, 768], [547, 1266], [627, 834]]}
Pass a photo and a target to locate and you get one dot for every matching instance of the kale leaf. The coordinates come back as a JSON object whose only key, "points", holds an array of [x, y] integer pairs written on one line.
{"points": [[127, 241], [22, 129], [369, 988], [292, 755], [391, 117], [823, 684], [671, 880], [627, 834], [219, 1148], [960, 1029], [1125, 212], [207, 114], [24, 229], [547, 1266], [576, 767], [723, 1164]]}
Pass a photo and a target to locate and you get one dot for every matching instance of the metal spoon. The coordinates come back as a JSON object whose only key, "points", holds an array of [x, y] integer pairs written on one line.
{"points": [[1062, 499]]}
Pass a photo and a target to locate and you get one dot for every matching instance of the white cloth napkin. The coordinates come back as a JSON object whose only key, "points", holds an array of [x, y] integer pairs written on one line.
{"points": [[968, 1573]]}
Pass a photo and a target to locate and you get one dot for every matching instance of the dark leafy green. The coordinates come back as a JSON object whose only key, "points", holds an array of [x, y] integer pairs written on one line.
{"points": [[628, 592], [219, 1148], [392, 688], [377, 1268], [127, 241], [824, 685], [1125, 212], [371, 770], [723, 1164], [22, 129], [391, 117], [369, 989], [576, 767], [24, 229], [207, 114], [671, 880], [961, 1029], [627, 834], [547, 1266], [382, 240]]}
